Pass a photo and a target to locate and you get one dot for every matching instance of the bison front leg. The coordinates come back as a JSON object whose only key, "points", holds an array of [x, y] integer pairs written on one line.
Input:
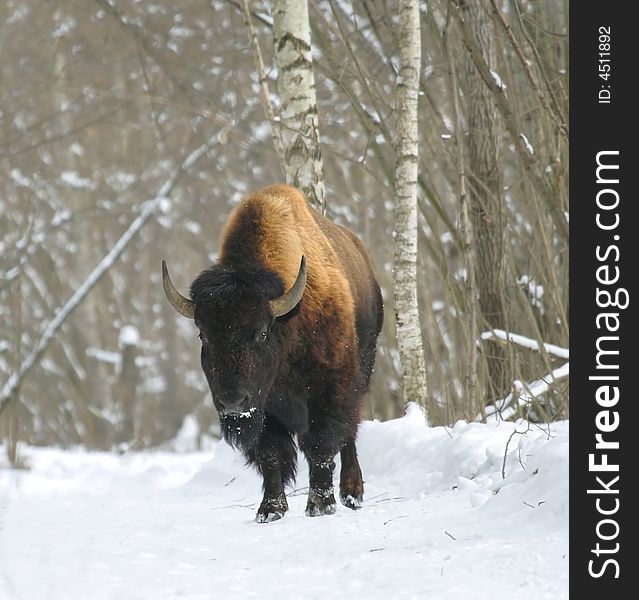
{"points": [[321, 499], [273, 505], [275, 459]]}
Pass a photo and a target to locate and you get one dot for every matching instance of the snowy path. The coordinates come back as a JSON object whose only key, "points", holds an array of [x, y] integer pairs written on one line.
{"points": [[160, 525]]}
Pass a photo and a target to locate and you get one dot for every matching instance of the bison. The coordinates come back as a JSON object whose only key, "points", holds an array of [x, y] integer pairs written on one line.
{"points": [[289, 319]]}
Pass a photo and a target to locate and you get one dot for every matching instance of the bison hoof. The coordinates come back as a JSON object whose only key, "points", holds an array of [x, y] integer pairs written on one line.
{"points": [[352, 502], [272, 509], [268, 517], [320, 503]]}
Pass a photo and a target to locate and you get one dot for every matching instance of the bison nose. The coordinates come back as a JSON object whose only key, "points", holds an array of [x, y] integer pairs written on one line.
{"points": [[237, 405]]}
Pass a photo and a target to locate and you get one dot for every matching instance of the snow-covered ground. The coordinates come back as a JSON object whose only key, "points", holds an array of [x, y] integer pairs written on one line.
{"points": [[439, 521]]}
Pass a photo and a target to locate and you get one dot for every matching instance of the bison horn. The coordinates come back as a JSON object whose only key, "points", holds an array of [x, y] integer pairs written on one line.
{"points": [[289, 300], [183, 305]]}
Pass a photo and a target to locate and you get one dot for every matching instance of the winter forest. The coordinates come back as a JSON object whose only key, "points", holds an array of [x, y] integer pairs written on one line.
{"points": [[437, 132]]}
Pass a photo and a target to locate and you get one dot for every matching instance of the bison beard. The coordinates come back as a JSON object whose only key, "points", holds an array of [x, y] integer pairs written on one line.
{"points": [[242, 430], [288, 347]]}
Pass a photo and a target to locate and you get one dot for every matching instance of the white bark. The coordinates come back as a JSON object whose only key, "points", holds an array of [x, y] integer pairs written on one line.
{"points": [[409, 337], [296, 89]]}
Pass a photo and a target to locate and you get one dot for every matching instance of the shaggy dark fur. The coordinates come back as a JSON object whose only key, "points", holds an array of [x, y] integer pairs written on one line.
{"points": [[304, 374]]}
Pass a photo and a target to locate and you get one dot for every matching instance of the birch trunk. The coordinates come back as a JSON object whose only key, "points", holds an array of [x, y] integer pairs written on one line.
{"points": [[296, 88], [409, 337]]}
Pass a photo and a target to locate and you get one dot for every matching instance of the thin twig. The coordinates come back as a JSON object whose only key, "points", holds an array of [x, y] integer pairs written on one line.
{"points": [[395, 519], [276, 132], [470, 288], [254, 14], [557, 119], [529, 161], [533, 49], [503, 464]]}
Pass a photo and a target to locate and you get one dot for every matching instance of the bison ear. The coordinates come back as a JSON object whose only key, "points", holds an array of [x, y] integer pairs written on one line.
{"points": [[183, 305], [289, 300]]}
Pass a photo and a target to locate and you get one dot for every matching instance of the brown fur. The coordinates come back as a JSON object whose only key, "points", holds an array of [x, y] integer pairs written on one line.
{"points": [[336, 259]]}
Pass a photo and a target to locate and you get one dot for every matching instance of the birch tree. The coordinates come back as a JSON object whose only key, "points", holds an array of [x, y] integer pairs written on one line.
{"points": [[409, 337], [296, 88]]}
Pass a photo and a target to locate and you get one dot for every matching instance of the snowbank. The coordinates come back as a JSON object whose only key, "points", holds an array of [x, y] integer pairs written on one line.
{"points": [[469, 457], [439, 520]]}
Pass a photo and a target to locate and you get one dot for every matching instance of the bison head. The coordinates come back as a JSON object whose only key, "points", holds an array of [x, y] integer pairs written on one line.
{"points": [[241, 316]]}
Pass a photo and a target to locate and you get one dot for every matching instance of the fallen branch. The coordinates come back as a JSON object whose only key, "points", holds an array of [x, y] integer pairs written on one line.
{"points": [[525, 393], [148, 208], [520, 340]]}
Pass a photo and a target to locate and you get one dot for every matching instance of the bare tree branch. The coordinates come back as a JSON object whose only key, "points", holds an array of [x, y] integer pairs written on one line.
{"points": [[529, 162], [148, 208], [276, 132], [556, 119], [470, 287]]}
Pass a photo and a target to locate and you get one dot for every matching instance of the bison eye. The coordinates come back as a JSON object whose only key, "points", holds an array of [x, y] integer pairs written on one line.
{"points": [[262, 336]]}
